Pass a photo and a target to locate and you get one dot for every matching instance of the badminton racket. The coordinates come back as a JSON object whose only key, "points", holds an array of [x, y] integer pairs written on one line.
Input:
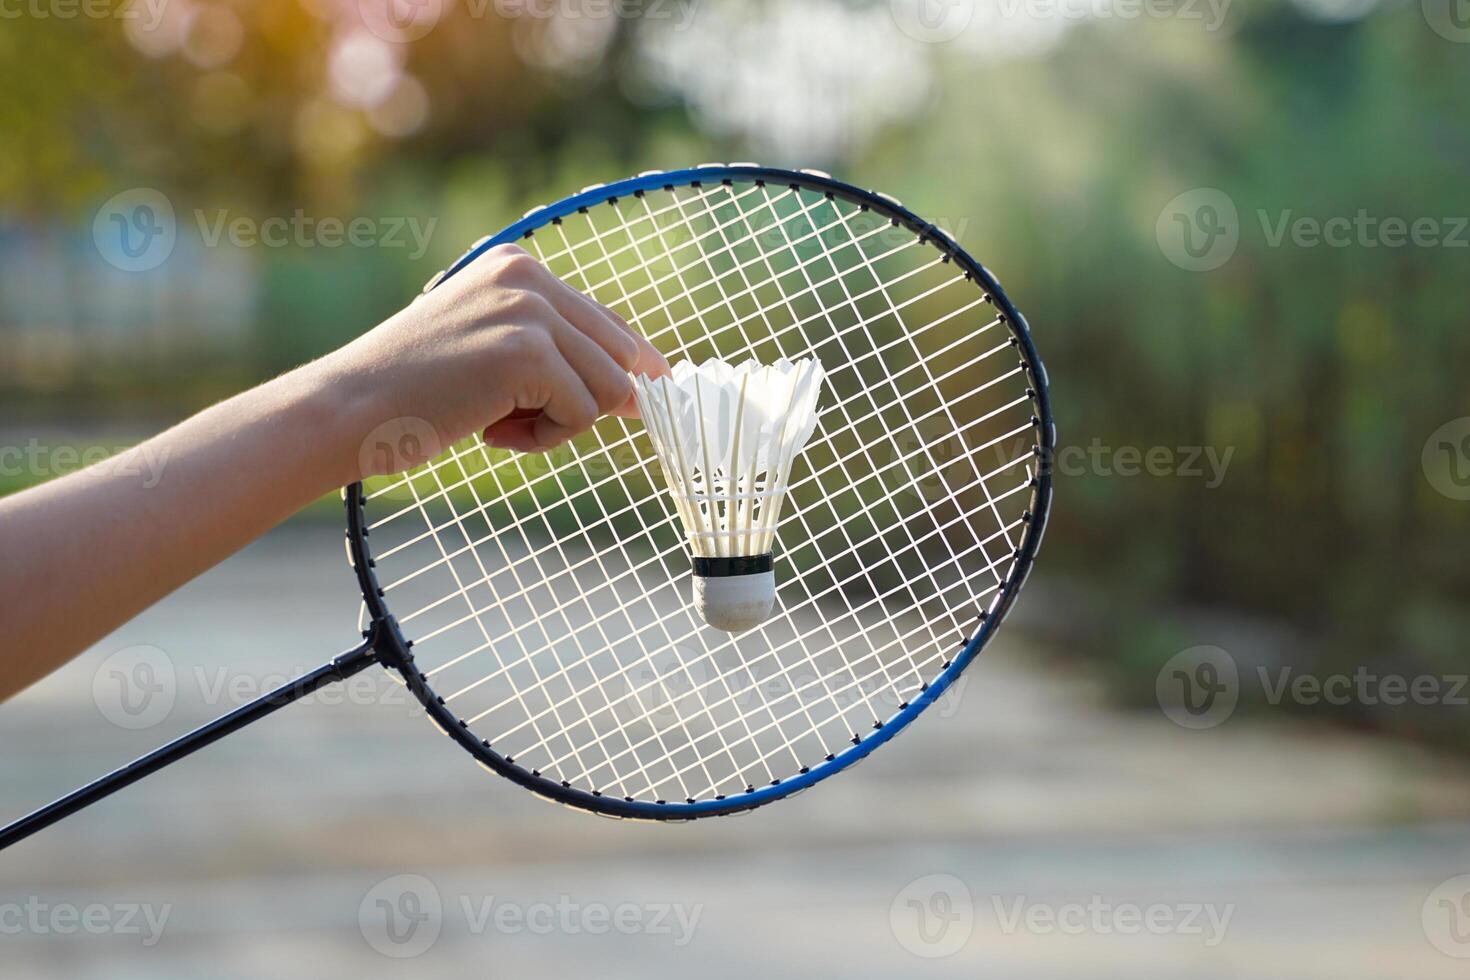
{"points": [[537, 606]]}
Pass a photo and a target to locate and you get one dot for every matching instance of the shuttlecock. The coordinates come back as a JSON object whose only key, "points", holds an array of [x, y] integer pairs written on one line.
{"points": [[726, 436]]}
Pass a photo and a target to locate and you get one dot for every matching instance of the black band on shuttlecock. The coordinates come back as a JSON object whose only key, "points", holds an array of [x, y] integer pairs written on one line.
{"points": [[737, 565]]}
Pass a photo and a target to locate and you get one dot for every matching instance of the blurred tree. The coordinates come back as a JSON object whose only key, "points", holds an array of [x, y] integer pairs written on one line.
{"points": [[1049, 149]]}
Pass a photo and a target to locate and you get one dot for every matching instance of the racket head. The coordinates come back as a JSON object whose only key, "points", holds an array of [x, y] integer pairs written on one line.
{"points": [[620, 796]]}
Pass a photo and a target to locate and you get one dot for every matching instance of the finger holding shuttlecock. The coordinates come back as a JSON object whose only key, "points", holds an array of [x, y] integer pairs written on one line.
{"points": [[726, 436]]}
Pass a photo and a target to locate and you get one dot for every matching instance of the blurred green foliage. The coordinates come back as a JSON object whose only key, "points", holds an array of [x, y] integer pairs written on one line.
{"points": [[1321, 370]]}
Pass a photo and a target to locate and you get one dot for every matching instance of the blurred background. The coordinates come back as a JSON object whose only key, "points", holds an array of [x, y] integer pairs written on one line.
{"points": [[1223, 733]]}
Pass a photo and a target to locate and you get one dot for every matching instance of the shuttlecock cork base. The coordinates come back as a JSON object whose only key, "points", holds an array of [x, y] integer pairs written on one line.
{"points": [[726, 436], [735, 594]]}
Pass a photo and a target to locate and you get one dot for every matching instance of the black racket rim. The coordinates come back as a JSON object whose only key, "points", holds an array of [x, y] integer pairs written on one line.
{"points": [[394, 650]]}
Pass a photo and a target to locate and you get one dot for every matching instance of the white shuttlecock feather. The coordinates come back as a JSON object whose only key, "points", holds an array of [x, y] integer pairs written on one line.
{"points": [[726, 436]]}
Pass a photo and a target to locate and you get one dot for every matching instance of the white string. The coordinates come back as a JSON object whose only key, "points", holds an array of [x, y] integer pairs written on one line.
{"points": [[560, 624], [596, 237]]}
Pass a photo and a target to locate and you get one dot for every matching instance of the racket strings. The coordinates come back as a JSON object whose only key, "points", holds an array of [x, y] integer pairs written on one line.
{"points": [[860, 686], [573, 580], [591, 488], [624, 443], [786, 300], [627, 442], [581, 273], [810, 600], [694, 240], [518, 522], [867, 391], [764, 257], [399, 483], [944, 405], [725, 299]]}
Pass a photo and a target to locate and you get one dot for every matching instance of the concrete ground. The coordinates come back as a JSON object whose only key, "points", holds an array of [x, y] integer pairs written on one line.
{"points": [[1019, 830]]}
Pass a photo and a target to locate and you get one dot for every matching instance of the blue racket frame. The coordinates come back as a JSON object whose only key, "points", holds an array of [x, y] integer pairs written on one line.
{"points": [[395, 650]]}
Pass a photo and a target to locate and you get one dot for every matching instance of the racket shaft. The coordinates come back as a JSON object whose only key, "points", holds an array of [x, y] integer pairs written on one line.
{"points": [[335, 670]]}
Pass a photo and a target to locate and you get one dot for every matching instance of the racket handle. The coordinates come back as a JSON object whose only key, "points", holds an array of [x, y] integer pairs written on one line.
{"points": [[334, 670]]}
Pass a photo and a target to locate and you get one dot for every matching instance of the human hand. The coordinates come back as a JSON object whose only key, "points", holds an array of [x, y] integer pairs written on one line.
{"points": [[504, 348]]}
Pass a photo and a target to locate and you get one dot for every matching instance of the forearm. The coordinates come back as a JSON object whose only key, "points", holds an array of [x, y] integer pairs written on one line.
{"points": [[504, 349], [82, 554]]}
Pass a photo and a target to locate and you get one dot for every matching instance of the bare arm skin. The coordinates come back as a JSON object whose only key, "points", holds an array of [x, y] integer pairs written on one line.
{"points": [[502, 347]]}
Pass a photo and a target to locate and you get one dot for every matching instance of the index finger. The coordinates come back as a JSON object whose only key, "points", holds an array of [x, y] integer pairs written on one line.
{"points": [[592, 318], [650, 361], [610, 331]]}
